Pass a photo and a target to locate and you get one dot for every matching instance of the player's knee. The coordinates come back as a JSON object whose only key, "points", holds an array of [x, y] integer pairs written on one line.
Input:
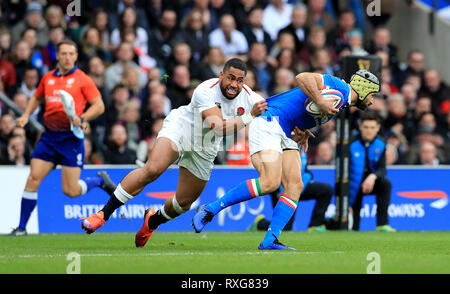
{"points": [[33, 182], [269, 185], [71, 191]]}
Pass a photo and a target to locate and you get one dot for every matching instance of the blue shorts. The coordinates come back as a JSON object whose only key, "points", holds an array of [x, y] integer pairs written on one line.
{"points": [[60, 148]]}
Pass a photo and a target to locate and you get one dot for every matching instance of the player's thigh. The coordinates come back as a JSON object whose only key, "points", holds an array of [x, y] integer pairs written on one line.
{"points": [[164, 153], [189, 188], [291, 178], [69, 179], [269, 170], [39, 169]]}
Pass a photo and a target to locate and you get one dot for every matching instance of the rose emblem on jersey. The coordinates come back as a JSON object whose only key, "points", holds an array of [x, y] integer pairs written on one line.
{"points": [[240, 111]]}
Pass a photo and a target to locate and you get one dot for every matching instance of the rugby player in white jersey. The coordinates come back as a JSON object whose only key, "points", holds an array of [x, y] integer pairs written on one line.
{"points": [[191, 136]]}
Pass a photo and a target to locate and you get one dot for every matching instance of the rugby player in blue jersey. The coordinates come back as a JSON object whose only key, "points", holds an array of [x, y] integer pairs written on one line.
{"points": [[276, 156]]}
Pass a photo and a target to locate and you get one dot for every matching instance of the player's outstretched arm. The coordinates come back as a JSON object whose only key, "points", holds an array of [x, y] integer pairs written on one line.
{"points": [[32, 105], [311, 84], [224, 127]]}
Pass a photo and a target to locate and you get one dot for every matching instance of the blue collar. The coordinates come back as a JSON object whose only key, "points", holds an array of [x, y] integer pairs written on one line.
{"points": [[56, 72]]}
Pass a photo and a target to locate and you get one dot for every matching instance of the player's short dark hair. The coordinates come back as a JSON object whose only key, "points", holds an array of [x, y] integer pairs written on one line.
{"points": [[236, 63], [66, 42], [370, 115]]}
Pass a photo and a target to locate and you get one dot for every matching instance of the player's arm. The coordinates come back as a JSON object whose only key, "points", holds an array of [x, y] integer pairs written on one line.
{"points": [[96, 108], [32, 105], [224, 127], [311, 84]]}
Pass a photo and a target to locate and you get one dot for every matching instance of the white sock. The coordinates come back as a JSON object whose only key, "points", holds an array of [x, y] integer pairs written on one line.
{"points": [[122, 195]]}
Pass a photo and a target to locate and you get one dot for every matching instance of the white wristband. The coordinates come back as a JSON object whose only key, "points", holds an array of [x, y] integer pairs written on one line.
{"points": [[247, 118]]}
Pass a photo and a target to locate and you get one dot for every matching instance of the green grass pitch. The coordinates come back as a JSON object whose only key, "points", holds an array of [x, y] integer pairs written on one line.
{"points": [[228, 253]]}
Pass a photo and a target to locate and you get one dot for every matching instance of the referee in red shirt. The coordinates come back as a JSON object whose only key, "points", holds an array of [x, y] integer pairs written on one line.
{"points": [[58, 144]]}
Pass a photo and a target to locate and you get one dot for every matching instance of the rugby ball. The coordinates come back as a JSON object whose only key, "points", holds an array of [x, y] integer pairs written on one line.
{"points": [[313, 109]]}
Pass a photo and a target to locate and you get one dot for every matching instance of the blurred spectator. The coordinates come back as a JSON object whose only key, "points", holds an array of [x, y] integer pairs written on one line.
{"points": [[318, 16], [56, 35], [213, 63], [116, 150], [129, 116], [355, 41], [321, 60], [178, 86], [287, 58], [5, 40], [284, 41], [7, 125], [34, 19], [251, 82], [424, 135], [415, 80], [96, 70], [283, 80], [324, 154], [54, 17], [182, 55], [7, 74], [228, 38], [428, 121], [254, 31], [276, 16], [91, 46], [438, 91], [154, 111], [195, 34], [241, 9], [114, 72], [163, 37], [382, 41], [398, 148], [396, 111], [120, 95], [130, 79], [99, 20], [117, 7], [316, 40], [428, 154], [29, 36], [21, 59], [386, 8], [145, 61], [409, 95], [297, 27], [338, 36], [415, 65], [258, 63], [29, 83], [90, 154], [128, 21], [209, 16], [16, 152]]}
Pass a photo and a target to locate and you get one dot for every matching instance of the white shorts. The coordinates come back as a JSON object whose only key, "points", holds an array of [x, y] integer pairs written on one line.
{"points": [[177, 129], [268, 135]]}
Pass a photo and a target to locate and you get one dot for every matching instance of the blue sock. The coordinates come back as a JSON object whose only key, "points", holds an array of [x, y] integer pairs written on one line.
{"points": [[242, 192], [282, 213], [89, 183], [29, 200]]}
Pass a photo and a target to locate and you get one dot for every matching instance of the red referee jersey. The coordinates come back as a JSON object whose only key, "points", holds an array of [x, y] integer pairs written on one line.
{"points": [[75, 82]]}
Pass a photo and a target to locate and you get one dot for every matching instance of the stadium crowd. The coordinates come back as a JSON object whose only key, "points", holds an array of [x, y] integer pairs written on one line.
{"points": [[147, 56]]}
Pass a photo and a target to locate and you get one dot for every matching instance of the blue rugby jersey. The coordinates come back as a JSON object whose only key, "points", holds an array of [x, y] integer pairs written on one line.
{"points": [[290, 107]]}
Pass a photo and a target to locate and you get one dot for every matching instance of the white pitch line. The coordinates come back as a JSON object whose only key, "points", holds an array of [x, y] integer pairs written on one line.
{"points": [[175, 254]]}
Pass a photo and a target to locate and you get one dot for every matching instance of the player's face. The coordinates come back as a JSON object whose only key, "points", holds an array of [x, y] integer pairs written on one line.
{"points": [[369, 129], [368, 101], [67, 55], [231, 82]]}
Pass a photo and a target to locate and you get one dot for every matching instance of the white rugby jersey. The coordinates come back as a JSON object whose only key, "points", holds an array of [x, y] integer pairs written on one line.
{"points": [[208, 95]]}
